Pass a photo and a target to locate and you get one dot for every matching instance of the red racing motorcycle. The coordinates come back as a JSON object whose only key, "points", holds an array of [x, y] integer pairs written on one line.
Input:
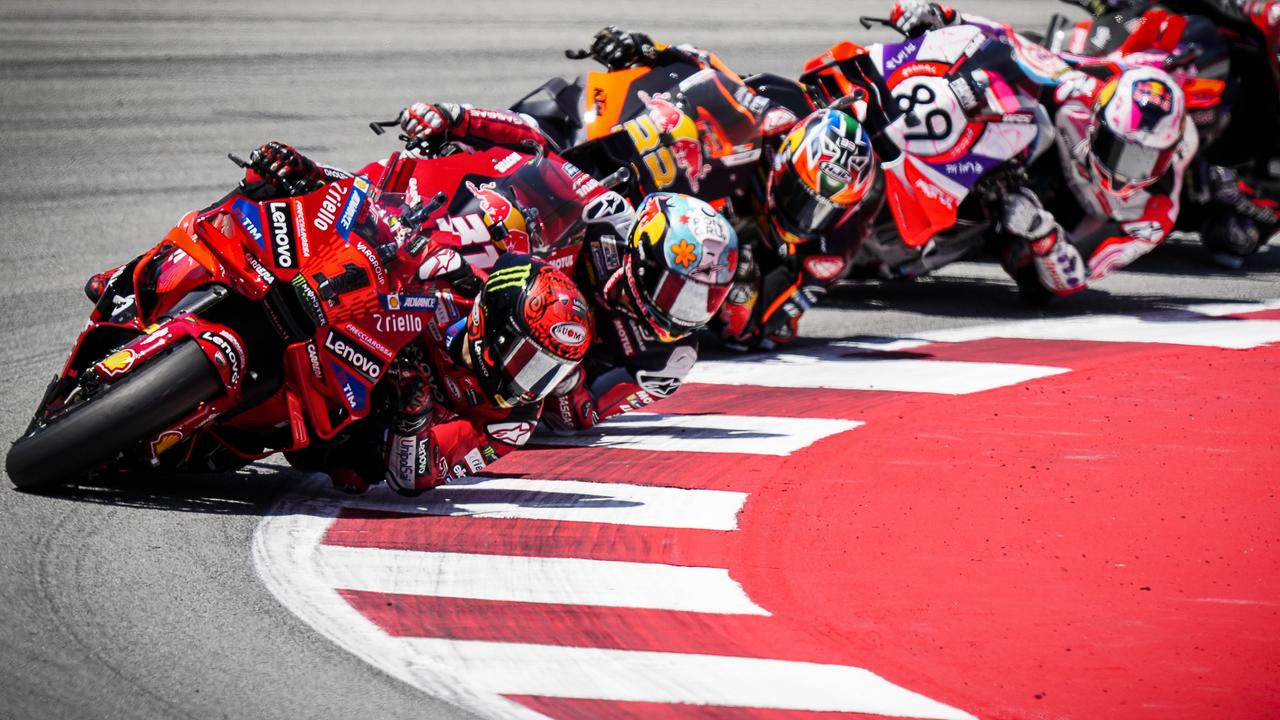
{"points": [[954, 119], [260, 327]]}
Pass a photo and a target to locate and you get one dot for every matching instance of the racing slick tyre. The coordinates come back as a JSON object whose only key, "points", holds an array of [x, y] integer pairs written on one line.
{"points": [[123, 414]]}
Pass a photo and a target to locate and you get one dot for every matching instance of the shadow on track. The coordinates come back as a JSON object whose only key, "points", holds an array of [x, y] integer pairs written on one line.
{"points": [[250, 491]]}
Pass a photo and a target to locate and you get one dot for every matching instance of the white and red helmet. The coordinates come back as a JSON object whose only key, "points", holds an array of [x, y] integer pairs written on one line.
{"points": [[1138, 119]]}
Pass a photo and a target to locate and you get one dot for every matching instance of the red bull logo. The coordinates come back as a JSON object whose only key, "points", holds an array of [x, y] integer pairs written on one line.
{"points": [[492, 202], [501, 211], [685, 146], [1153, 94]]}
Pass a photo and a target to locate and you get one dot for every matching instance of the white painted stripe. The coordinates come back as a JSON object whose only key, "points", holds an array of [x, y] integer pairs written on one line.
{"points": [[623, 675], [569, 501], [284, 547], [1233, 308], [1203, 331], [571, 581], [837, 368], [752, 435]]}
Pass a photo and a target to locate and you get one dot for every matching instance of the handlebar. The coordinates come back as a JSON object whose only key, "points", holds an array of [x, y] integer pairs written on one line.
{"points": [[299, 187], [618, 177], [428, 146], [577, 54], [867, 22]]}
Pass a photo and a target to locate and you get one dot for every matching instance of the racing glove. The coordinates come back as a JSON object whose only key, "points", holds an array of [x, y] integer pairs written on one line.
{"points": [[281, 166], [571, 407], [914, 17], [423, 120], [619, 49], [1058, 263], [414, 460]]}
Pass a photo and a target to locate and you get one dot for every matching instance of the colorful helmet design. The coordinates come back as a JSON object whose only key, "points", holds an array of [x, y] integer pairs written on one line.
{"points": [[682, 255], [1137, 124], [504, 218], [528, 330], [821, 174]]}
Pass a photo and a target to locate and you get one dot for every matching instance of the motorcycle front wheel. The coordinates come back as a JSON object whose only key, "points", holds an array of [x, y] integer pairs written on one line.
{"points": [[123, 414]]}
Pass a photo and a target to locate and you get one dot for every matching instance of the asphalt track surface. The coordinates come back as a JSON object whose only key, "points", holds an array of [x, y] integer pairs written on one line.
{"points": [[115, 118]]}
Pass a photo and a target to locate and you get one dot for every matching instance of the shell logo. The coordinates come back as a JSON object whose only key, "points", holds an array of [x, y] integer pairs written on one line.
{"points": [[118, 362]]}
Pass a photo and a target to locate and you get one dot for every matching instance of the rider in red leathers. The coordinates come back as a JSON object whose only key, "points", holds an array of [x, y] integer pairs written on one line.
{"points": [[643, 344], [799, 254], [472, 388]]}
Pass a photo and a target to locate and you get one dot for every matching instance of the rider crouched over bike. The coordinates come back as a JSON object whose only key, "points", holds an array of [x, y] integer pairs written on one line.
{"points": [[1123, 146], [471, 388], [809, 204], [653, 278]]}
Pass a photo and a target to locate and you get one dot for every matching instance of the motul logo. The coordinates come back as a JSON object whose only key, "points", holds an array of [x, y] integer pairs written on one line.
{"points": [[353, 355], [283, 245]]}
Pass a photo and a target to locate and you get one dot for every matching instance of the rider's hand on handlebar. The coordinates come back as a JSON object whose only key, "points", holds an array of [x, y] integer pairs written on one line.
{"points": [[1025, 217], [913, 17], [424, 120], [618, 49], [279, 164]]}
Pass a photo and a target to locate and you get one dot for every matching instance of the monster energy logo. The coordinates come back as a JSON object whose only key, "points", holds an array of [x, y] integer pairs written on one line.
{"points": [[508, 277]]}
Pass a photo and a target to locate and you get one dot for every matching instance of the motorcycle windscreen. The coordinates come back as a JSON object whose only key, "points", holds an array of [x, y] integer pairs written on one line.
{"points": [[549, 194], [726, 127]]}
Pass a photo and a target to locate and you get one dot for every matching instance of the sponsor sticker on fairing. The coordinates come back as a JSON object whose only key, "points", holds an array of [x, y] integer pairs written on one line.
{"points": [[310, 301], [359, 190], [260, 269], [353, 355], [250, 218], [408, 302], [228, 349], [354, 392], [284, 246], [313, 356], [396, 322], [330, 206]]}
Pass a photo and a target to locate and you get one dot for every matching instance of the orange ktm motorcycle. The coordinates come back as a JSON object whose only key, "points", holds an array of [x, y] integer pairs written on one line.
{"points": [[680, 126]]}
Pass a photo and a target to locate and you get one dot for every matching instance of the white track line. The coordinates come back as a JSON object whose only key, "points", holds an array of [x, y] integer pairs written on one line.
{"points": [[751, 435], [1207, 330], [284, 546], [637, 676], [570, 501], [832, 367], [571, 581]]}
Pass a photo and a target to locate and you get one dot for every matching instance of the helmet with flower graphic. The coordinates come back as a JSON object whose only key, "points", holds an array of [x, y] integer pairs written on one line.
{"points": [[528, 330], [681, 257], [822, 172], [1138, 120]]}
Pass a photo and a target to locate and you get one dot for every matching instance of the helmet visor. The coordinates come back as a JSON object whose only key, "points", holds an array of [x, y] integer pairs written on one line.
{"points": [[530, 373], [1124, 167], [801, 211]]}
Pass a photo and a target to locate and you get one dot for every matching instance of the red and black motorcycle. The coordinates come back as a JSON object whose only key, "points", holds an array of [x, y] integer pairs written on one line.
{"points": [[258, 327]]}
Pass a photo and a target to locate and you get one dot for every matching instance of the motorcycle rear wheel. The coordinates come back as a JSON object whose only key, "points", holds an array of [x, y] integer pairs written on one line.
{"points": [[124, 413]]}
